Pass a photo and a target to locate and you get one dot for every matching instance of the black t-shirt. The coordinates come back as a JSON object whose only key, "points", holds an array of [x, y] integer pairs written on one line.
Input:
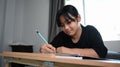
{"points": [[90, 38]]}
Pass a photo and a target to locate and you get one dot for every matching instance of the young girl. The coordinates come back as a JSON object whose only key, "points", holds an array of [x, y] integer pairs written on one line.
{"points": [[74, 37]]}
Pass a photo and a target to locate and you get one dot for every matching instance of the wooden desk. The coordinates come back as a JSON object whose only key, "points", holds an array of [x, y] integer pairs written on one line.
{"points": [[37, 59]]}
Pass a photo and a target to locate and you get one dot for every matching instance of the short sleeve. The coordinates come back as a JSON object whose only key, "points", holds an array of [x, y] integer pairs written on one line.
{"points": [[97, 42]]}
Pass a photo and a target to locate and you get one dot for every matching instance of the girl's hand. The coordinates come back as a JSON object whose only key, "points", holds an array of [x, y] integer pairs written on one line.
{"points": [[47, 48]]}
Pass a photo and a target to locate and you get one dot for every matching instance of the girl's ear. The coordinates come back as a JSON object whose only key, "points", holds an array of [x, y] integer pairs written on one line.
{"points": [[79, 18]]}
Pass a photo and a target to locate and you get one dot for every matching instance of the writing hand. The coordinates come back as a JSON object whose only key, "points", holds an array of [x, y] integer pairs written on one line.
{"points": [[47, 48]]}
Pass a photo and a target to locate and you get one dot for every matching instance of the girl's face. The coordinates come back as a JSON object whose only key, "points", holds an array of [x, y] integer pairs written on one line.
{"points": [[70, 27]]}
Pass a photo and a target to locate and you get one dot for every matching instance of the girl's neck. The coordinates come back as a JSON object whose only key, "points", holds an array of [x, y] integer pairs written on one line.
{"points": [[77, 36]]}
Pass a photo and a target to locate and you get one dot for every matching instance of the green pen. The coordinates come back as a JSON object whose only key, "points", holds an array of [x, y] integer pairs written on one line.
{"points": [[40, 35]]}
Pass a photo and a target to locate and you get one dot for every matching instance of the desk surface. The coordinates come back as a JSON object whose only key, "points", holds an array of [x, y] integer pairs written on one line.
{"points": [[52, 58]]}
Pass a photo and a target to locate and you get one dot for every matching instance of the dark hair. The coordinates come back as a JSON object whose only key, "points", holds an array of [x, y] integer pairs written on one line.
{"points": [[65, 11]]}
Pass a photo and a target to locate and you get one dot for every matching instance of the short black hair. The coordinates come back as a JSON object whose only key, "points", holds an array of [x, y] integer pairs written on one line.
{"points": [[65, 11]]}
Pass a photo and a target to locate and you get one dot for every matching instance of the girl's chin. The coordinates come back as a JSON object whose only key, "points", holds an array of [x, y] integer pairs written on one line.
{"points": [[70, 34]]}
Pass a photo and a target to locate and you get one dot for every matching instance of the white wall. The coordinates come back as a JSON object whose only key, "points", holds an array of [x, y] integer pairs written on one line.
{"points": [[36, 13], [22, 18], [18, 21], [9, 23], [19, 16], [2, 6]]}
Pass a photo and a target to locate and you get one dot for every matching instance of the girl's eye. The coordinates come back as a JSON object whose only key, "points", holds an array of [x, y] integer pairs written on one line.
{"points": [[68, 22]]}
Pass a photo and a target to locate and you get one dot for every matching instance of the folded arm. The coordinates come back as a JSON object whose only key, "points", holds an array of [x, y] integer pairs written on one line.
{"points": [[83, 52]]}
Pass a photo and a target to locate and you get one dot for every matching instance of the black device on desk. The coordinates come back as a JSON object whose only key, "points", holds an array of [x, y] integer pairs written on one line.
{"points": [[21, 48]]}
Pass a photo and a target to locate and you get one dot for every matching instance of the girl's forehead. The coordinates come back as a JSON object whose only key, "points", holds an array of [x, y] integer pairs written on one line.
{"points": [[62, 19]]}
